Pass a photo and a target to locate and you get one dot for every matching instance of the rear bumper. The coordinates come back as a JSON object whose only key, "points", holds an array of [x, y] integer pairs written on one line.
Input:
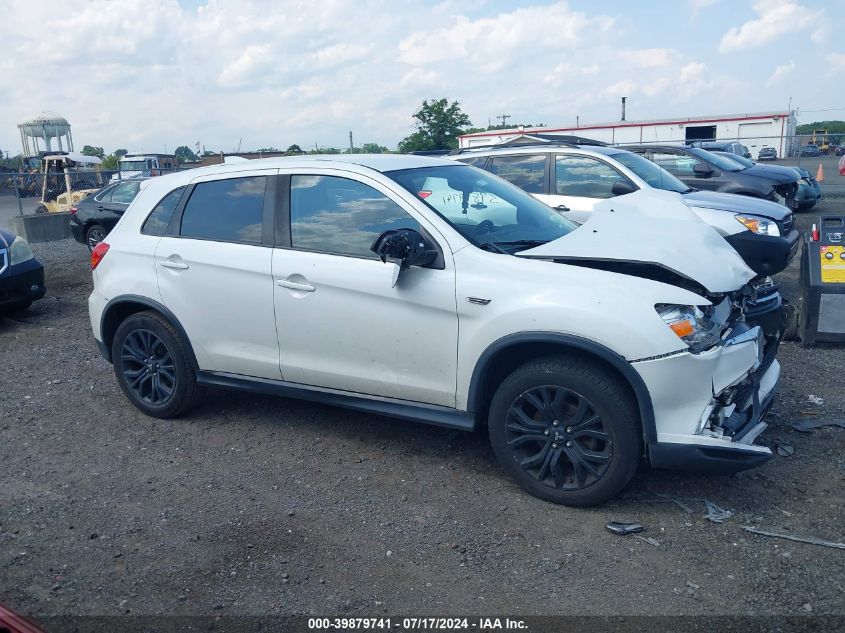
{"points": [[77, 230], [22, 283], [764, 254]]}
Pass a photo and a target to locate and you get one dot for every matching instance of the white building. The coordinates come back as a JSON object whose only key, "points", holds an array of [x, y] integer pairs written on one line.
{"points": [[754, 130]]}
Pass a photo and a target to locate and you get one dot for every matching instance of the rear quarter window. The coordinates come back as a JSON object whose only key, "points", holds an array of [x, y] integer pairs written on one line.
{"points": [[156, 223]]}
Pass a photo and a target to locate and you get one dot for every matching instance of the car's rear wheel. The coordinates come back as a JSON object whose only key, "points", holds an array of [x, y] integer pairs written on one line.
{"points": [[566, 430], [94, 235], [152, 365]]}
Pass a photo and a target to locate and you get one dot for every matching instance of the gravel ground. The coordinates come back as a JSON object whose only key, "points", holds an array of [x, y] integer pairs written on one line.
{"points": [[259, 505]]}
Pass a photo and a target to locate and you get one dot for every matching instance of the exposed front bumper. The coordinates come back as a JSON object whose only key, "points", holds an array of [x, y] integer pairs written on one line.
{"points": [[22, 283], [764, 254], [710, 407]]}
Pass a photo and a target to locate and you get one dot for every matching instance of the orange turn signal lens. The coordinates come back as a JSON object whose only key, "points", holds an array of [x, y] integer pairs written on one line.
{"points": [[682, 328]]}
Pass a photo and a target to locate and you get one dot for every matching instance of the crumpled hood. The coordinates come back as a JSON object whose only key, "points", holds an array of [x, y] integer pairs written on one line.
{"points": [[778, 173], [641, 228], [736, 203]]}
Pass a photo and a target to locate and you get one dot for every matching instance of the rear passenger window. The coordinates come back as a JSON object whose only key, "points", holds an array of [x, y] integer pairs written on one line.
{"points": [[125, 193], [585, 177], [230, 210], [528, 172], [341, 216], [159, 218]]}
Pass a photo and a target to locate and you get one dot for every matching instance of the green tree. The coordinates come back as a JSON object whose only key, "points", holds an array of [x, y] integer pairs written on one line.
{"points": [[373, 148], [110, 161], [183, 154], [90, 150], [120, 153], [294, 150], [438, 124]]}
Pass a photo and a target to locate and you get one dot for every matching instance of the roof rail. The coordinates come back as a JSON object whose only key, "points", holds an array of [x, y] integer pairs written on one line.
{"points": [[462, 150]]}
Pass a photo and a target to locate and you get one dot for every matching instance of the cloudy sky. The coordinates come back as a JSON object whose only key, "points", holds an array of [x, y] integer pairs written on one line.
{"points": [[160, 73]]}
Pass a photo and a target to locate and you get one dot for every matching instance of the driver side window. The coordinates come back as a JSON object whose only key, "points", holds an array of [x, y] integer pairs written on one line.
{"points": [[341, 216]]}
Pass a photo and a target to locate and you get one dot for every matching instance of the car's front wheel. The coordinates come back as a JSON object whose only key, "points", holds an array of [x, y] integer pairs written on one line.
{"points": [[566, 430], [151, 362]]}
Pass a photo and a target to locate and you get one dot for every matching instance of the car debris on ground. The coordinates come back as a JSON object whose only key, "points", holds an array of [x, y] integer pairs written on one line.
{"points": [[798, 539]]}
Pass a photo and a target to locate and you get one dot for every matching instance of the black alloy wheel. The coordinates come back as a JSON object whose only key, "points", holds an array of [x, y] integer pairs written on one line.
{"points": [[566, 428], [559, 438], [148, 367]]}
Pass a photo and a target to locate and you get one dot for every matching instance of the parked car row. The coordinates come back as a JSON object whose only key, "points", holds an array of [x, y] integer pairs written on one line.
{"points": [[426, 289]]}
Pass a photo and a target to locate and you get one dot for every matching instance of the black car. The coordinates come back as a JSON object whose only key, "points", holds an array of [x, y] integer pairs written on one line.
{"points": [[767, 153], [21, 275], [733, 147], [705, 170], [93, 217], [806, 196], [811, 149]]}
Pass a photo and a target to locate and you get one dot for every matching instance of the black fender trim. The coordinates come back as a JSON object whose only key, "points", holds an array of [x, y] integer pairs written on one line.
{"points": [[105, 348], [617, 361], [390, 407]]}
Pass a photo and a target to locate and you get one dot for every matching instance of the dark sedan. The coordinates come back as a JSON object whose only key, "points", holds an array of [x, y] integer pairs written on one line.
{"points": [[21, 275], [809, 192], [767, 153], [93, 217], [707, 171], [811, 149]]}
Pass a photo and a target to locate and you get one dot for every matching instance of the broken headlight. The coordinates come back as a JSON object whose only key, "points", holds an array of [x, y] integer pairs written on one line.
{"points": [[692, 325]]}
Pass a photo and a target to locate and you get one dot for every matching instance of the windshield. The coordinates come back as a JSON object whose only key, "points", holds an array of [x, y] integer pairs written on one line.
{"points": [[488, 211], [133, 165], [652, 173], [742, 160], [725, 164]]}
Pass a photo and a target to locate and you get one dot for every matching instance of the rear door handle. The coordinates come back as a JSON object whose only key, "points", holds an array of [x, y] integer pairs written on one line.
{"points": [[175, 265], [292, 285]]}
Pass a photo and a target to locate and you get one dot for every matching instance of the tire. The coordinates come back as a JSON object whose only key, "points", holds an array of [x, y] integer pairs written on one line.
{"points": [[152, 366], [538, 439], [792, 320], [94, 234], [41, 209]]}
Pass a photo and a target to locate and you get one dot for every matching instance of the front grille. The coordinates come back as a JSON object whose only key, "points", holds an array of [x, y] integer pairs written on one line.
{"points": [[787, 224]]}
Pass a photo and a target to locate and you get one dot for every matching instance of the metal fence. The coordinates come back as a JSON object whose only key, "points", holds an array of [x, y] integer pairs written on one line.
{"points": [[22, 192]]}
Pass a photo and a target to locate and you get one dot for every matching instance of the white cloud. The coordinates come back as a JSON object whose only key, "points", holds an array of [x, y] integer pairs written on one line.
{"points": [[697, 6], [648, 57], [156, 73], [776, 18], [836, 62], [780, 73]]}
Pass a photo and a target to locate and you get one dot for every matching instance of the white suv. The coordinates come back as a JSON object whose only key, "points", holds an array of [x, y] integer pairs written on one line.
{"points": [[424, 289]]}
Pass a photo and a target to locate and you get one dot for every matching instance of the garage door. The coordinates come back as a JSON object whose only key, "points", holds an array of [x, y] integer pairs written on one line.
{"points": [[757, 135]]}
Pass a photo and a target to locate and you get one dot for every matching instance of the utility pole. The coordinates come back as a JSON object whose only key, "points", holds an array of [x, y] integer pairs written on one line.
{"points": [[351, 146], [577, 121], [504, 118]]}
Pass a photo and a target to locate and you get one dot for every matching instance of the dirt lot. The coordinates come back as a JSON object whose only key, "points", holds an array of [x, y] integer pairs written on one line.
{"points": [[257, 505]]}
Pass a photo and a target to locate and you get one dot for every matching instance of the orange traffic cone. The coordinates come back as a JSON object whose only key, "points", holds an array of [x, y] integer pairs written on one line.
{"points": [[820, 173]]}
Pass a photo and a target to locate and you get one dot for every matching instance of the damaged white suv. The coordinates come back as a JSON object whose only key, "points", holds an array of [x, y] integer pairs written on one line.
{"points": [[428, 290]]}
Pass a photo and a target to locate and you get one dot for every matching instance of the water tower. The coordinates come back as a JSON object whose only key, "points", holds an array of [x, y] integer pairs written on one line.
{"points": [[45, 127]]}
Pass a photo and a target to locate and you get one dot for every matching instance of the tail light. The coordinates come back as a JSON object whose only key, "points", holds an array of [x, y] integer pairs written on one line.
{"points": [[73, 210], [97, 254]]}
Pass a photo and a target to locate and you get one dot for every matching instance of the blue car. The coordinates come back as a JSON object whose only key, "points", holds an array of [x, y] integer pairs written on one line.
{"points": [[810, 149], [21, 275]]}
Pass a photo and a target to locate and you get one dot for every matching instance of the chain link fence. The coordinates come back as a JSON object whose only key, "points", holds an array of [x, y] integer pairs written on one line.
{"points": [[23, 192]]}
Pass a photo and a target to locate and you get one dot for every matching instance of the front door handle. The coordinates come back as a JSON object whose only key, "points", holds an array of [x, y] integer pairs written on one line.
{"points": [[293, 285], [175, 265], [562, 207]]}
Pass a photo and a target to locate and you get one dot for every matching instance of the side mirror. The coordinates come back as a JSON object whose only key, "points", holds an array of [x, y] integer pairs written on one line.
{"points": [[622, 187], [703, 170], [406, 247]]}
